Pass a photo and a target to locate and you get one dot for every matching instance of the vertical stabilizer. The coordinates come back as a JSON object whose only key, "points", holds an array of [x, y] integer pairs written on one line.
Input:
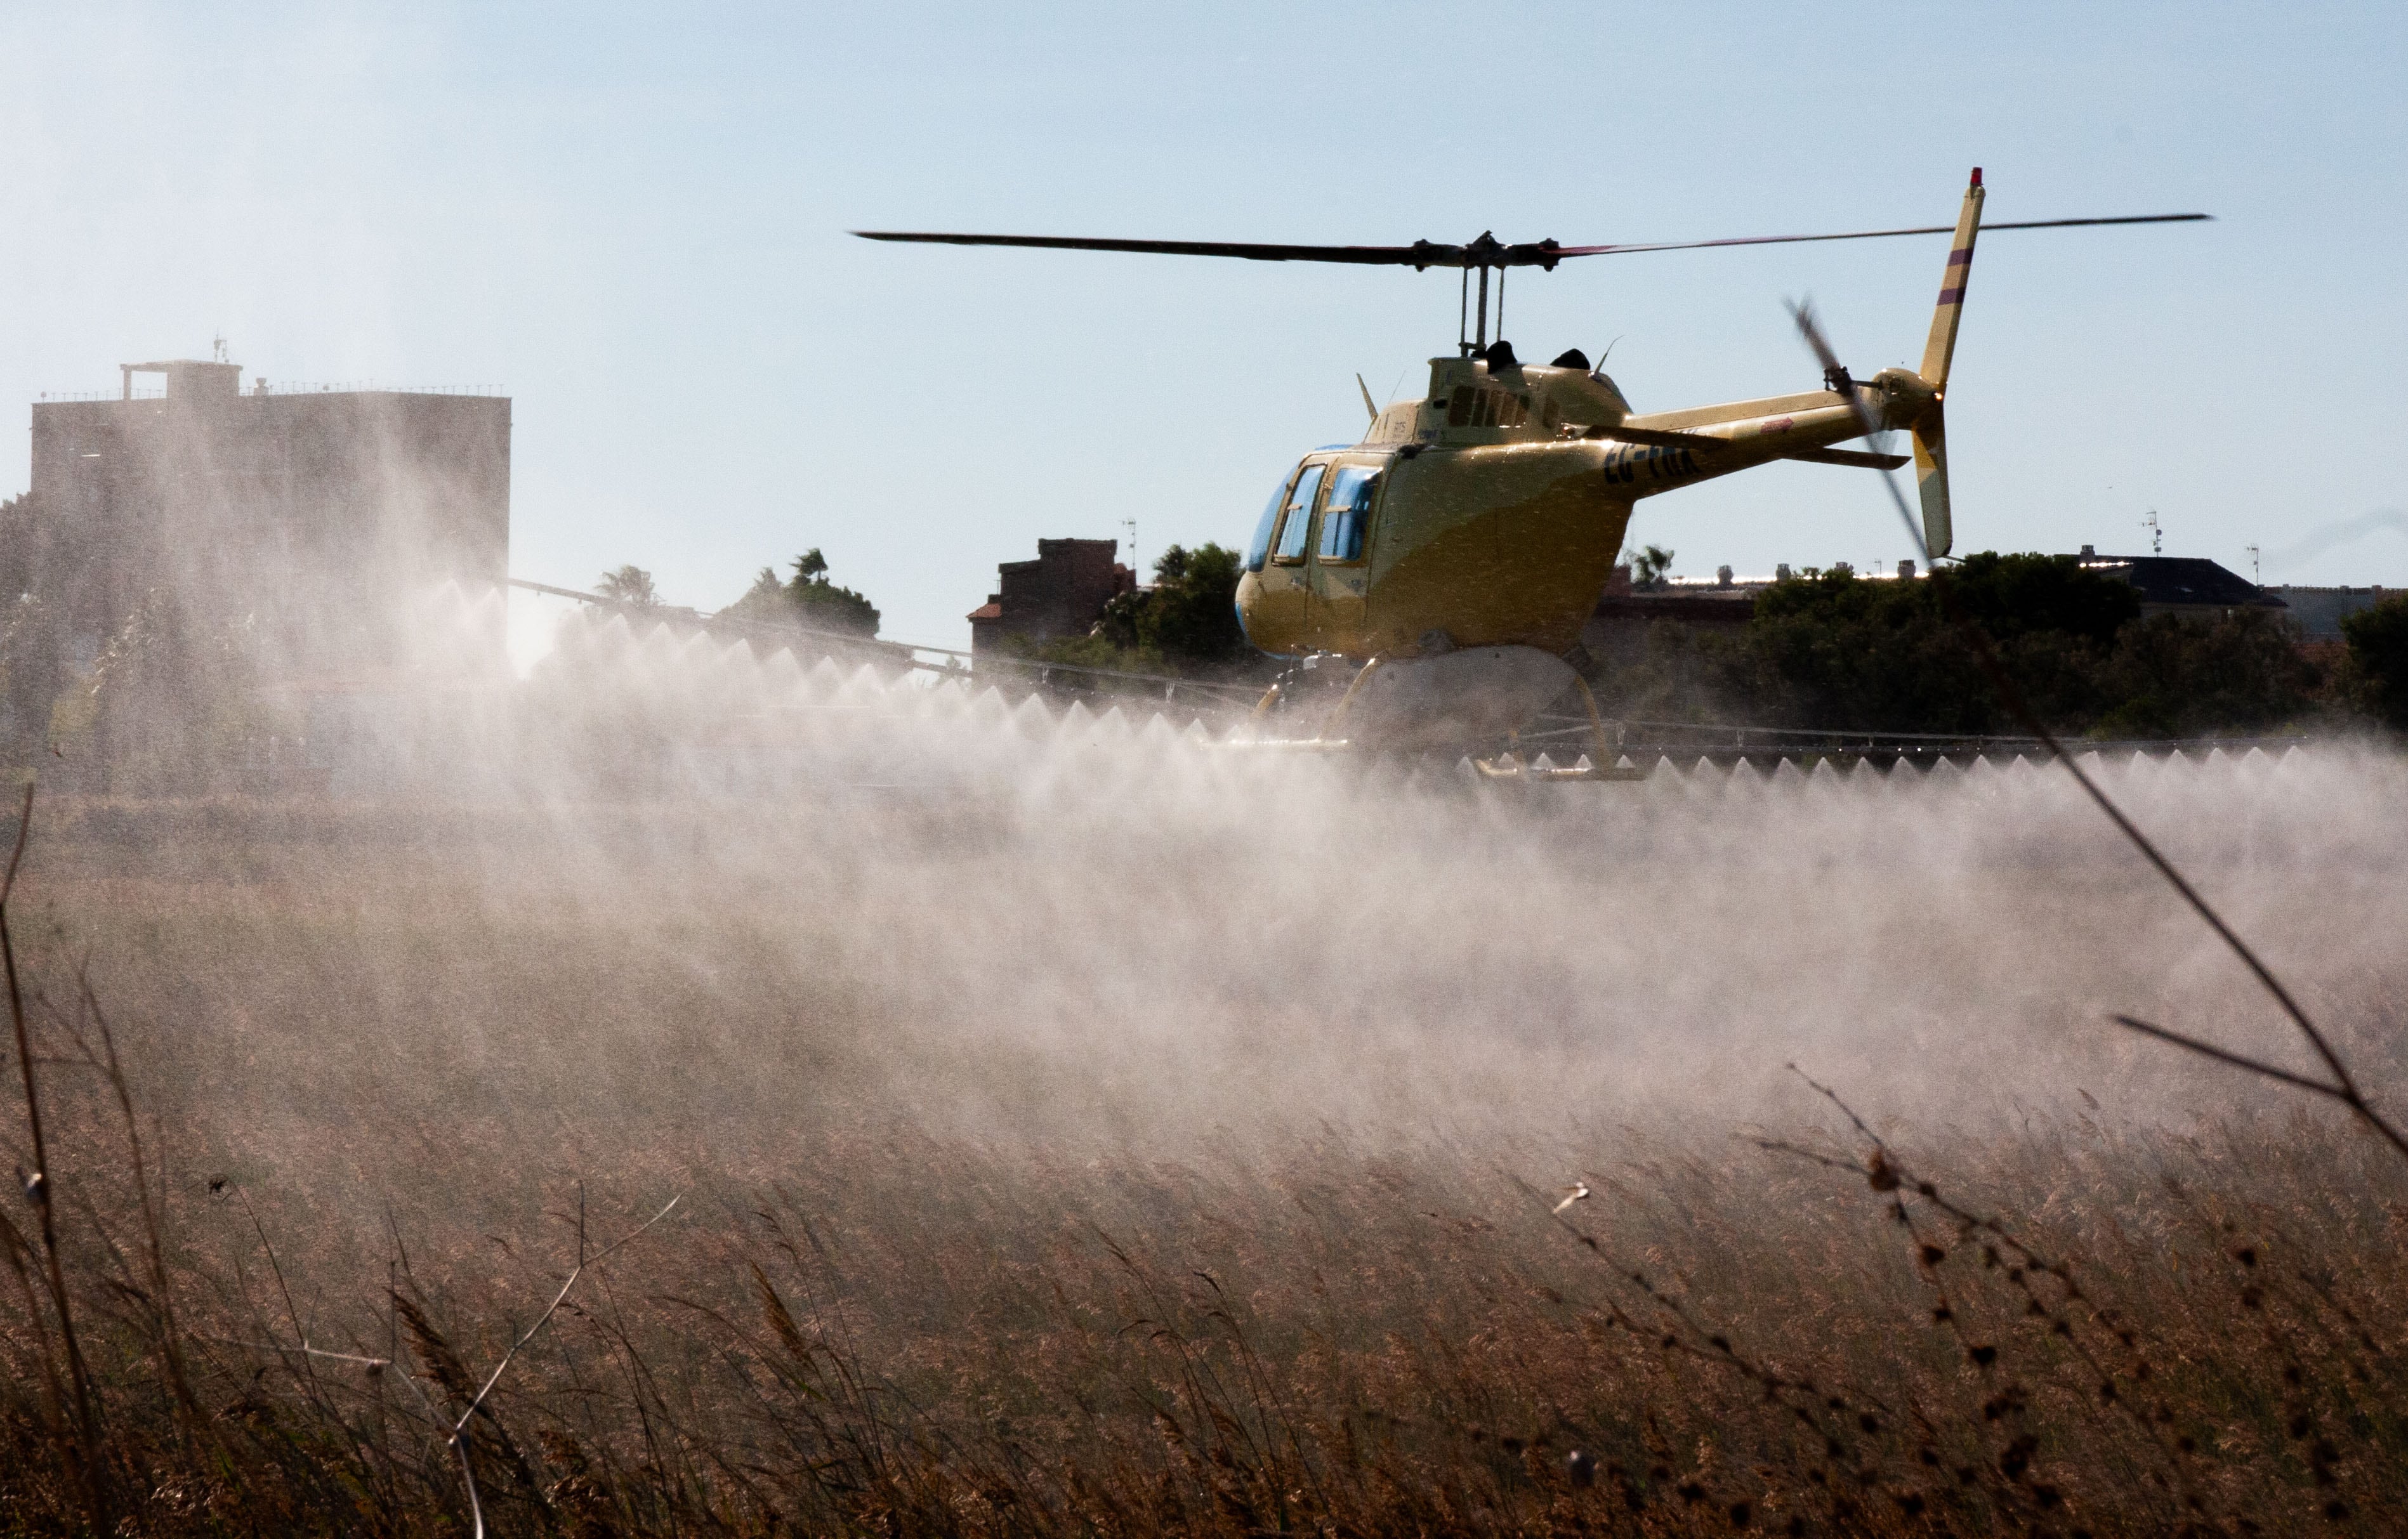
{"points": [[1930, 430], [1931, 481], [1942, 346]]}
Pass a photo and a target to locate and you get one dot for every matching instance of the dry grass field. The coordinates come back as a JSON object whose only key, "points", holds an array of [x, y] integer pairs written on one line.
{"points": [[1044, 1164]]}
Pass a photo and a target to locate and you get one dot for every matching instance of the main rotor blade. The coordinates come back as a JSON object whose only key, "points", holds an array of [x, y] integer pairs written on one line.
{"points": [[1483, 253], [1876, 235], [1420, 254]]}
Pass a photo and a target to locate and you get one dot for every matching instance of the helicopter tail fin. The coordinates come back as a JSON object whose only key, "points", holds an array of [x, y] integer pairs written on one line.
{"points": [[1931, 434], [1942, 346], [1930, 430]]}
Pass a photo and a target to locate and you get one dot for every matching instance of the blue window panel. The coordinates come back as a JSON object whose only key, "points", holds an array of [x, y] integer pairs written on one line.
{"points": [[1348, 518], [1298, 526], [1258, 549]]}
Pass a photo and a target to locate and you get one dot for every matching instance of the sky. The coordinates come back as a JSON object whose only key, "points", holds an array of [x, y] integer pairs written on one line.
{"points": [[633, 220]]}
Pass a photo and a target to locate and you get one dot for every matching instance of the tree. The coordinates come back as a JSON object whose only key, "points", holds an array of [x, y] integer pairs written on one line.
{"points": [[809, 598], [1838, 650], [1830, 650], [1195, 609], [823, 603], [632, 585], [1186, 622], [765, 600], [2378, 654], [2178, 675], [1651, 568]]}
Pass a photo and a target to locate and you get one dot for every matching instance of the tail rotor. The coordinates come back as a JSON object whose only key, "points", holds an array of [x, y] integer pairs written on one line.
{"points": [[1935, 533], [1837, 373]]}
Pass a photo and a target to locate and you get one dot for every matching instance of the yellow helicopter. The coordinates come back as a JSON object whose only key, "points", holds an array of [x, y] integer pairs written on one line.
{"points": [[1444, 566]]}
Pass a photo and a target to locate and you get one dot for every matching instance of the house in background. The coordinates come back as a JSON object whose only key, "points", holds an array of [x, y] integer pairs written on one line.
{"points": [[2180, 585], [1061, 593]]}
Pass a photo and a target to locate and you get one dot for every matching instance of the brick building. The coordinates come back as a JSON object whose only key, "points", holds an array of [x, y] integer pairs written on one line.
{"points": [[1061, 593]]}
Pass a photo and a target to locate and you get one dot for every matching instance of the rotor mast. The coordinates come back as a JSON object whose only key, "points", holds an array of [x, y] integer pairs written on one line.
{"points": [[1472, 331]]}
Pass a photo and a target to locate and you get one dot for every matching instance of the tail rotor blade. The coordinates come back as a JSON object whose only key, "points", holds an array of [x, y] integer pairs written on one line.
{"points": [[1811, 331]]}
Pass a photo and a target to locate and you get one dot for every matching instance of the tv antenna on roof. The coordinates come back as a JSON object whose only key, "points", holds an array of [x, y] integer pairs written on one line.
{"points": [[2157, 533]]}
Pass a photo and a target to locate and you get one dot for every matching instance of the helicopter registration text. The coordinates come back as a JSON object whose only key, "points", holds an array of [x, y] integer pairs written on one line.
{"points": [[1623, 464]]}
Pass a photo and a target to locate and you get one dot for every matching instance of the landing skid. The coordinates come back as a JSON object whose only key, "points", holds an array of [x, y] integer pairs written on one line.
{"points": [[1510, 764], [1458, 701]]}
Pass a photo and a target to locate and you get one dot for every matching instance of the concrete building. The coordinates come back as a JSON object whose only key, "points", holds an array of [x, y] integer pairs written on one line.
{"points": [[1061, 593], [200, 578], [312, 513], [2318, 611]]}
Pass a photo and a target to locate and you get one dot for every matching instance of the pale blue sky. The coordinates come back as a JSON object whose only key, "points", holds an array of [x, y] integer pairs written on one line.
{"points": [[632, 218]]}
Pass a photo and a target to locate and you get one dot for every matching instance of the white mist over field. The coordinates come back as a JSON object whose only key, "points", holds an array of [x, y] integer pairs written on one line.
{"points": [[669, 900], [1010, 1061]]}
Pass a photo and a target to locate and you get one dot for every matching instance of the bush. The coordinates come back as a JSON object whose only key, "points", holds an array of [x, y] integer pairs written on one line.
{"points": [[2378, 654], [2175, 676], [1186, 622], [809, 598], [1835, 651]]}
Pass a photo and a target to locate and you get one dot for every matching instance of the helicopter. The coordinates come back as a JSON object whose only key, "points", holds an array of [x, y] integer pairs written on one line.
{"points": [[1440, 568]]}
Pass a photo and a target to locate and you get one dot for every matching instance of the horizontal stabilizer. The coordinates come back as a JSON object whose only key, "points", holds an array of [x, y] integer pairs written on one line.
{"points": [[1665, 439], [1858, 457]]}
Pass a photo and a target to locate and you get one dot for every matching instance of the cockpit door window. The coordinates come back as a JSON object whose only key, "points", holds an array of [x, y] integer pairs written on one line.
{"points": [[1296, 526], [1258, 549], [1348, 518]]}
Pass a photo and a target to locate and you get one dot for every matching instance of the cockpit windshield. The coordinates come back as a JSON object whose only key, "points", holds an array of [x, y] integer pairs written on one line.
{"points": [[1258, 549]]}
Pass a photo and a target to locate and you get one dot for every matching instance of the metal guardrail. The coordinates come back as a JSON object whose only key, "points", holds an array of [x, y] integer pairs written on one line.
{"points": [[910, 654], [1725, 743], [1722, 743]]}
